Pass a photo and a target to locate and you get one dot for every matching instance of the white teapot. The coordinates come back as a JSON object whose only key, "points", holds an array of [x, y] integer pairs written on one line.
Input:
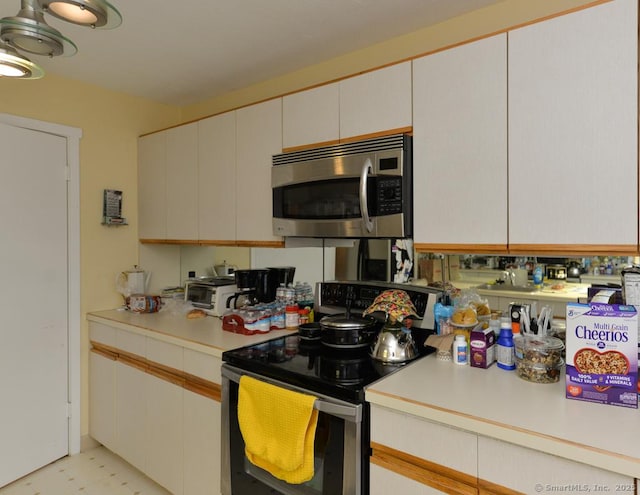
{"points": [[133, 281]]}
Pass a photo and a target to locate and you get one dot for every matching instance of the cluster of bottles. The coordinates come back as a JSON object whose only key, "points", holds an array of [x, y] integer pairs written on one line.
{"points": [[296, 303]]}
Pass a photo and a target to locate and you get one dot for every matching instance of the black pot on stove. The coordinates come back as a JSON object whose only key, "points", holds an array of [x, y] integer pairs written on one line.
{"points": [[350, 332]]}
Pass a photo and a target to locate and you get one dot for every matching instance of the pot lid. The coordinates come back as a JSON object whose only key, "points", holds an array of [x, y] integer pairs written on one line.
{"points": [[343, 322]]}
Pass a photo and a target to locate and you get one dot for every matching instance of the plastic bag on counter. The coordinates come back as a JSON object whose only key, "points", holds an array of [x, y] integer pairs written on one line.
{"points": [[470, 298], [176, 306]]}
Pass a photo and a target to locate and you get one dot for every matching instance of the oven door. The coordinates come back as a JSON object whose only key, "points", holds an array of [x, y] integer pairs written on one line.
{"points": [[338, 450]]}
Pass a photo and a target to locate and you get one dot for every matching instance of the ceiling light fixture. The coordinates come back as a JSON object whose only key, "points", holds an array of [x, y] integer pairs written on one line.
{"points": [[92, 13], [17, 66], [29, 32]]}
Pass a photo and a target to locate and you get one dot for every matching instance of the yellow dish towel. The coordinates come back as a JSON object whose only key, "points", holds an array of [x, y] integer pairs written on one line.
{"points": [[278, 427]]}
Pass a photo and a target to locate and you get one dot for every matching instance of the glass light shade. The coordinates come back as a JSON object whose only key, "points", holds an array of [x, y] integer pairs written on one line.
{"points": [[14, 65], [93, 13], [73, 13]]}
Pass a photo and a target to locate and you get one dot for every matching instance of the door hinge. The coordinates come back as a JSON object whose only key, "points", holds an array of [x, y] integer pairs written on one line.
{"points": [[68, 409], [67, 173]]}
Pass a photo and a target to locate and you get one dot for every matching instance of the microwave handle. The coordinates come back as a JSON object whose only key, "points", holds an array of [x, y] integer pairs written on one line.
{"points": [[366, 219]]}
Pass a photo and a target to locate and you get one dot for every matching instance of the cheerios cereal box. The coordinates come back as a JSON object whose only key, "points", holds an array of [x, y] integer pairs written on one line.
{"points": [[602, 354]]}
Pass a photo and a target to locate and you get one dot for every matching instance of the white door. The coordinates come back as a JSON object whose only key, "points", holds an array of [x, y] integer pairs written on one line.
{"points": [[33, 300]]}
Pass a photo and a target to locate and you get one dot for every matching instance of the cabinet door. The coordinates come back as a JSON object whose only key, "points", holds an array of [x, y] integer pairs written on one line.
{"points": [[259, 136], [217, 177], [383, 482], [460, 145], [131, 416], [202, 424], [182, 182], [573, 129], [164, 445], [102, 395], [502, 464], [152, 186], [450, 447], [377, 101], [311, 116]]}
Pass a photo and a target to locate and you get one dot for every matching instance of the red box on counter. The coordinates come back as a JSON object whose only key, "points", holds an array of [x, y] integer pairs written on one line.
{"points": [[482, 347]]}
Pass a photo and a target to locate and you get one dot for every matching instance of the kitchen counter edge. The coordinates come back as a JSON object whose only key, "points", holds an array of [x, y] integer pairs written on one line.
{"points": [[204, 335]]}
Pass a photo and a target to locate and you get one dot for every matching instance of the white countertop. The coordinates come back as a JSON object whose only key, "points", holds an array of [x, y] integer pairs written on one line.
{"points": [[498, 404], [205, 334]]}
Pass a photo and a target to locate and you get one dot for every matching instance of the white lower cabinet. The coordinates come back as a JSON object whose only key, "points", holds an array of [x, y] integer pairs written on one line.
{"points": [[102, 413], [529, 471], [165, 438], [201, 445], [385, 482], [131, 412], [142, 408], [412, 455], [404, 461]]}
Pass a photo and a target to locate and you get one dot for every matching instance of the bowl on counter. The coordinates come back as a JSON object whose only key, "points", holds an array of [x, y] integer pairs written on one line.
{"points": [[539, 372]]}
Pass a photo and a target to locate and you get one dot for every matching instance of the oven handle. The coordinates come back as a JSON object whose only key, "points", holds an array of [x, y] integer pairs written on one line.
{"points": [[366, 219], [350, 413]]}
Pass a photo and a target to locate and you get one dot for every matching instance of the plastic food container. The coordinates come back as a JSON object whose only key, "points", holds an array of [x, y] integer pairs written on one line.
{"points": [[538, 372], [538, 358]]}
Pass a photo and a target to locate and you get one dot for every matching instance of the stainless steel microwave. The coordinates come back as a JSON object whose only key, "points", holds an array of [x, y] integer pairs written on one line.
{"points": [[352, 190]]}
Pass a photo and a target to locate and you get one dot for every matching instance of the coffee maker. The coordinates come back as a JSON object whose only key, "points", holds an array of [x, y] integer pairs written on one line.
{"points": [[259, 285], [252, 288], [277, 276]]}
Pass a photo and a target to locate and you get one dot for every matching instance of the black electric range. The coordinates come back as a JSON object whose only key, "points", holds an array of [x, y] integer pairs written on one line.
{"points": [[343, 373]]}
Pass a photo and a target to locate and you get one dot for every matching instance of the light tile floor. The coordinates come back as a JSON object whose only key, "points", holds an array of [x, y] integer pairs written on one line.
{"points": [[94, 472]]}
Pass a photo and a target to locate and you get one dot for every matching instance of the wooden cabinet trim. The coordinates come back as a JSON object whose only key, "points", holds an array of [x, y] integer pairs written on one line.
{"points": [[575, 249], [105, 354], [212, 242], [179, 378], [461, 248], [546, 249], [428, 473]]}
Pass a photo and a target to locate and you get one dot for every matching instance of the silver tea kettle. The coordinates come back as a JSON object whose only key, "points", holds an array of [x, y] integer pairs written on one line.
{"points": [[395, 345]]}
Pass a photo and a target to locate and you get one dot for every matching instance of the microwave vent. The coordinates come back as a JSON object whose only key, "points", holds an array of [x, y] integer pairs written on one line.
{"points": [[394, 141]]}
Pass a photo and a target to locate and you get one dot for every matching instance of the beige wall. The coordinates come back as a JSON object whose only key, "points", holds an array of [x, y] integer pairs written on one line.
{"points": [[111, 123]]}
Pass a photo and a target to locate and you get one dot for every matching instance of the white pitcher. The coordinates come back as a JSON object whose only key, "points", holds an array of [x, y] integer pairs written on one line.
{"points": [[133, 281]]}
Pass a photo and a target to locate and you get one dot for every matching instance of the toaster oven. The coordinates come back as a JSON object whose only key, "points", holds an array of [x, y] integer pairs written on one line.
{"points": [[212, 296]]}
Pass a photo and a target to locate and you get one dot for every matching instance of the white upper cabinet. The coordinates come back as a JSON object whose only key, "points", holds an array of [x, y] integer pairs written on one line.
{"points": [[152, 186], [460, 145], [259, 136], [217, 177], [311, 116], [182, 182], [573, 128], [376, 101], [168, 184]]}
